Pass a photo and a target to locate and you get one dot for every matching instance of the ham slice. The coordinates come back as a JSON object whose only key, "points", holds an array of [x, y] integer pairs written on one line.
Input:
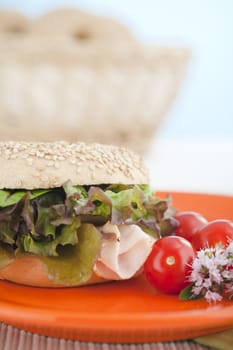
{"points": [[123, 252]]}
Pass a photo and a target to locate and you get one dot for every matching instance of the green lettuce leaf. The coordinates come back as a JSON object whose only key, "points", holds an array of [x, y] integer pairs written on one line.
{"points": [[43, 225], [40, 221], [36, 215], [7, 235], [10, 197], [101, 200], [10, 222], [67, 236]]}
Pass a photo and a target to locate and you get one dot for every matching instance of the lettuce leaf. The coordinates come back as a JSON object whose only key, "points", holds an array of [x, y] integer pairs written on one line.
{"points": [[68, 235], [7, 235], [9, 197], [41, 221]]}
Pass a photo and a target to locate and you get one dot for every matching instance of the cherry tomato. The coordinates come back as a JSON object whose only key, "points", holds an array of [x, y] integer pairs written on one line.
{"points": [[168, 266], [189, 223], [213, 233]]}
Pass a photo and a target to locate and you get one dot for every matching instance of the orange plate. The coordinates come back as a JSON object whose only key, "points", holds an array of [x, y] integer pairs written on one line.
{"points": [[128, 311]]}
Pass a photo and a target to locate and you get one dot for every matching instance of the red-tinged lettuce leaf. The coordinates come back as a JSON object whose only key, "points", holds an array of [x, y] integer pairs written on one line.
{"points": [[60, 215], [150, 226], [82, 202], [101, 201], [121, 208], [77, 201], [43, 225], [7, 235], [137, 205], [36, 214], [10, 222], [28, 216], [167, 226], [49, 247], [37, 224]]}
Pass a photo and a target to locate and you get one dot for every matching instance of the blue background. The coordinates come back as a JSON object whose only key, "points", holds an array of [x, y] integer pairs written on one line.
{"points": [[204, 106]]}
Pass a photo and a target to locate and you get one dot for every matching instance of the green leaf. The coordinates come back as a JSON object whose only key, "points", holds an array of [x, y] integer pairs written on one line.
{"points": [[186, 293], [49, 198], [7, 235], [43, 226], [220, 341], [9, 197], [68, 235], [121, 208], [79, 192], [39, 220]]}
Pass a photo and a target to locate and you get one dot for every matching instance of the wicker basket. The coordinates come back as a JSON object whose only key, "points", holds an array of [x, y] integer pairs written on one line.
{"points": [[53, 87]]}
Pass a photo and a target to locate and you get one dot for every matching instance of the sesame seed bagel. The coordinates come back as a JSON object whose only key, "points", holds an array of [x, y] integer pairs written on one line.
{"points": [[32, 165]]}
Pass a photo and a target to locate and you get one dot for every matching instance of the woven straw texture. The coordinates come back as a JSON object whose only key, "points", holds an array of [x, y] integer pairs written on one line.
{"points": [[14, 339], [110, 90]]}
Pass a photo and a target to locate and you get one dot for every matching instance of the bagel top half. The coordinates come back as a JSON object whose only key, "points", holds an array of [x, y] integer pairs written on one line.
{"points": [[31, 165]]}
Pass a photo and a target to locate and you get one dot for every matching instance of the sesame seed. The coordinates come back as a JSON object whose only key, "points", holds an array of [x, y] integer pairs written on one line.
{"points": [[44, 178], [29, 161], [72, 160], [50, 163], [91, 167]]}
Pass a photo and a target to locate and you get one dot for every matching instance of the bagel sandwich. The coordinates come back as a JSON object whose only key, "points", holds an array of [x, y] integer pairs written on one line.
{"points": [[73, 214]]}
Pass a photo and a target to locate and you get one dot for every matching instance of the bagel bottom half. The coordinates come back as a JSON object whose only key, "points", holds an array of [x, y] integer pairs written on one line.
{"points": [[31, 271]]}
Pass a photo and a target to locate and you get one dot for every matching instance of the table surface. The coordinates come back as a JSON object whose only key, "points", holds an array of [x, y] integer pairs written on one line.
{"points": [[15, 339]]}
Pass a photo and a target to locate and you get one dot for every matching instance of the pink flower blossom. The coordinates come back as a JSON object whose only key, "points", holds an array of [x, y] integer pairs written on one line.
{"points": [[212, 273], [212, 296]]}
